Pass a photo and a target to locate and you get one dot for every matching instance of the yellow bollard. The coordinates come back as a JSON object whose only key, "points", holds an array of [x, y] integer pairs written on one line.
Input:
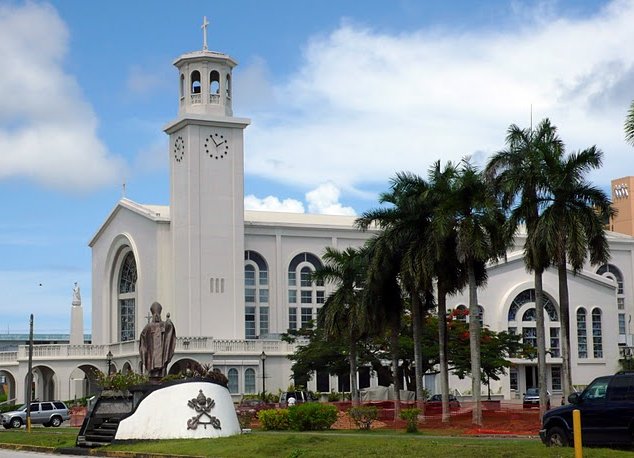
{"points": [[576, 427]]}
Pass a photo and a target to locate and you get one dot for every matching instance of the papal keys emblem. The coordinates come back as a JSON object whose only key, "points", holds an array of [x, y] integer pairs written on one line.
{"points": [[202, 405]]}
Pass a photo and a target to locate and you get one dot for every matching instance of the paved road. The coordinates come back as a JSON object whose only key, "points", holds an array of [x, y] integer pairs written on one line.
{"points": [[5, 453]]}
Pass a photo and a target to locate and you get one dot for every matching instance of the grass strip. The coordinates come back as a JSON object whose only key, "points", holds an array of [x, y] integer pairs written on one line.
{"points": [[323, 444]]}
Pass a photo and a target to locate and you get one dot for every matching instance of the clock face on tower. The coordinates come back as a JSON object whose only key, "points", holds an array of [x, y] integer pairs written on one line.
{"points": [[216, 145], [179, 149]]}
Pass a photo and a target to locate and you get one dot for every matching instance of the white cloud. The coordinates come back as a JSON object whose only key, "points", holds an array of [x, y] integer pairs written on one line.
{"points": [[47, 129], [148, 79], [322, 200], [365, 105], [273, 204], [325, 199]]}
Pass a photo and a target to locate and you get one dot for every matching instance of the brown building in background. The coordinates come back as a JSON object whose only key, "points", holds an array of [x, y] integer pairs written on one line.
{"points": [[624, 204]]}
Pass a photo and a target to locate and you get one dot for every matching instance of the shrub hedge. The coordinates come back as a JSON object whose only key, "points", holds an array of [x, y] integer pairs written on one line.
{"points": [[312, 416], [274, 419], [364, 416], [411, 417]]}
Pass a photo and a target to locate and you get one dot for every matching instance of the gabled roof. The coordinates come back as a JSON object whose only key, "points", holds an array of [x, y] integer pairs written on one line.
{"points": [[518, 256], [156, 213]]}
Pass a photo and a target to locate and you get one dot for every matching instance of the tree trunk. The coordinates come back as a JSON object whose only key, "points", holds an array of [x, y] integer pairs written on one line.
{"points": [[395, 378], [564, 312], [541, 343], [353, 371], [474, 345], [417, 323], [442, 351]]}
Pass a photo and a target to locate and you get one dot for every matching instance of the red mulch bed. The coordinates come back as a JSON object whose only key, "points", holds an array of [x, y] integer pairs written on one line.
{"points": [[508, 419]]}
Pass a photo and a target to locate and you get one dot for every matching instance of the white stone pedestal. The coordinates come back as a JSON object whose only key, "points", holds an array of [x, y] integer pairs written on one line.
{"points": [[189, 410]]}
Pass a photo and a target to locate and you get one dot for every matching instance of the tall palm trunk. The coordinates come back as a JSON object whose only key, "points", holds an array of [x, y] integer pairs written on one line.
{"points": [[474, 345], [353, 370], [417, 323], [541, 342], [395, 377], [564, 306], [442, 351]]}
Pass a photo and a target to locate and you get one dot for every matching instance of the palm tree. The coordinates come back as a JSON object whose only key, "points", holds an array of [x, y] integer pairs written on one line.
{"points": [[518, 173], [383, 298], [473, 213], [571, 226], [629, 125], [449, 272], [480, 240], [343, 315], [404, 226]]}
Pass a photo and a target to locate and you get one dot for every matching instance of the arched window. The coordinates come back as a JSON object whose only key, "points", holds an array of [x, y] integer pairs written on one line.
{"points": [[597, 334], [309, 294], [523, 307], [182, 86], [214, 87], [461, 313], [249, 380], [228, 86], [232, 376], [127, 298], [256, 295], [613, 273], [528, 296], [195, 86], [582, 334]]}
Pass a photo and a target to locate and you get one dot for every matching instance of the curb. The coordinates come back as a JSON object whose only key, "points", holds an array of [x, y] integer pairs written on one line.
{"points": [[28, 448], [80, 451]]}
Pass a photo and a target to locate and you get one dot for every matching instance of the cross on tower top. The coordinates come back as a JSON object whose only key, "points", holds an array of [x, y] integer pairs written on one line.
{"points": [[204, 27]]}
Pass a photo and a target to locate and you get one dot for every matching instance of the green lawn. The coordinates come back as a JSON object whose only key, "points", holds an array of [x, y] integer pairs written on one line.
{"points": [[383, 444], [43, 437]]}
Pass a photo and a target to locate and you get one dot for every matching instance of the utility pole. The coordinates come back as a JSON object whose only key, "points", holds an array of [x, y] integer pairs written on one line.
{"points": [[29, 377]]}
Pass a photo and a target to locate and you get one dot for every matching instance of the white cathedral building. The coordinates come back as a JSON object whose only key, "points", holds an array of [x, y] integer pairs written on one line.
{"points": [[234, 280]]}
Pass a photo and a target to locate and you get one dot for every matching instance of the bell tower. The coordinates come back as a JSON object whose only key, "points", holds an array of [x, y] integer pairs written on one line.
{"points": [[206, 152]]}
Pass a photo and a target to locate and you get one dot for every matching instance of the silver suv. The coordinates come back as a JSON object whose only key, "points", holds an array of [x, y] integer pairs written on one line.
{"points": [[49, 413]]}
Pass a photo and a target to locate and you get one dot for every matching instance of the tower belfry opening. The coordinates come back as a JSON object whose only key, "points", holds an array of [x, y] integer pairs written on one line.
{"points": [[205, 81]]}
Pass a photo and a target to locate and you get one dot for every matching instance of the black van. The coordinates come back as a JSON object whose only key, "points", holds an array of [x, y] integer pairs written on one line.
{"points": [[607, 413]]}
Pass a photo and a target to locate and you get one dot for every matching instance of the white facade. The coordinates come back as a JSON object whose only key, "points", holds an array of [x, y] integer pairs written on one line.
{"points": [[232, 281]]}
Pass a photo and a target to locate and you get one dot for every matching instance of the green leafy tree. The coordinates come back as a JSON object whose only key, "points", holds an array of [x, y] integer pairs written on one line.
{"points": [[571, 228], [319, 353], [518, 173], [495, 350]]}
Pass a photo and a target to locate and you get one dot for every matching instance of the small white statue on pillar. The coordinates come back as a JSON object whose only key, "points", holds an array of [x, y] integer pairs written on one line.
{"points": [[76, 295], [76, 318]]}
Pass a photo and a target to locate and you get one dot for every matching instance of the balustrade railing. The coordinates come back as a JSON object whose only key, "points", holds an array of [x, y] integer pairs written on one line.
{"points": [[214, 98], [196, 98], [8, 356], [130, 348]]}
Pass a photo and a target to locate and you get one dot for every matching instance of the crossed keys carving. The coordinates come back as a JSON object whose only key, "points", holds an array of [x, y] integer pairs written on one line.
{"points": [[202, 405]]}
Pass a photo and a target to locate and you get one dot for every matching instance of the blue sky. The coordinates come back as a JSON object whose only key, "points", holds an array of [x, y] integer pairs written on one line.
{"points": [[341, 94]]}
